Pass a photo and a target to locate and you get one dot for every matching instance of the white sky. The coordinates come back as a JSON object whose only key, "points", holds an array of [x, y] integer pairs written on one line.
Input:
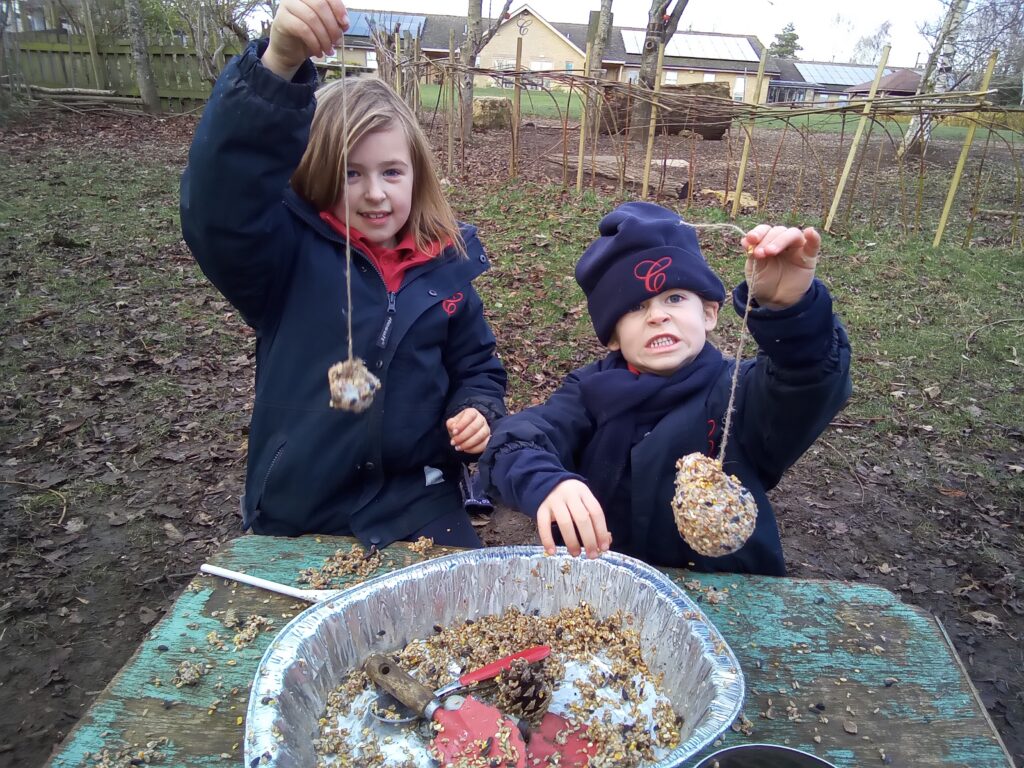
{"points": [[827, 29]]}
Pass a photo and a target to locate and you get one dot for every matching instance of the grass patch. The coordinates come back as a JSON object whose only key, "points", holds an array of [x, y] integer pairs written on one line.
{"points": [[938, 337], [548, 104], [882, 125]]}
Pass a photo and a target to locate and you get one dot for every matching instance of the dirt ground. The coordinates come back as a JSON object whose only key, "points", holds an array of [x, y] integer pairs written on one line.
{"points": [[81, 585]]}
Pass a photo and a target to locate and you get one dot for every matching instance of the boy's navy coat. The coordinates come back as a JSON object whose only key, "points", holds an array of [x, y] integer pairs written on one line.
{"points": [[785, 399], [379, 475]]}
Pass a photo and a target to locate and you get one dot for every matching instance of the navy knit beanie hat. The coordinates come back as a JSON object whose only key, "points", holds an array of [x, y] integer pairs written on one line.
{"points": [[643, 250]]}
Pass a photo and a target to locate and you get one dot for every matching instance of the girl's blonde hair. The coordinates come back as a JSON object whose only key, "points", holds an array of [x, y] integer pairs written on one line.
{"points": [[350, 109]]}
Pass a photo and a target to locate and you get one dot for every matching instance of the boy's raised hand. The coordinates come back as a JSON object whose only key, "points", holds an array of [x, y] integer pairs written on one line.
{"points": [[579, 517], [469, 431], [780, 263], [301, 29]]}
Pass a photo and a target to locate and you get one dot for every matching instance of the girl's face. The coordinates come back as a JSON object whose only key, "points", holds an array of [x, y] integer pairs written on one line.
{"points": [[379, 186], [666, 332]]}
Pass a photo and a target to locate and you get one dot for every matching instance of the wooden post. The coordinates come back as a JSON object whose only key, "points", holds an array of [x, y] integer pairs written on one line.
{"points": [[746, 138], [513, 161], [653, 124], [398, 64], [856, 139], [416, 74], [968, 140], [98, 71], [451, 102], [583, 123]]}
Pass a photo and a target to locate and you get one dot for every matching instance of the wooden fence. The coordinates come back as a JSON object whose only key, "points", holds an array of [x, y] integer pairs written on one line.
{"points": [[56, 59]]}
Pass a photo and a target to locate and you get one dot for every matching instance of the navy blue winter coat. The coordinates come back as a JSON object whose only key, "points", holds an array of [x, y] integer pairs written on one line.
{"points": [[785, 399], [378, 475]]}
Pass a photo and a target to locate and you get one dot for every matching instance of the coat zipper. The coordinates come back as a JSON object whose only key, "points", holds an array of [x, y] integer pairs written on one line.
{"points": [[385, 331]]}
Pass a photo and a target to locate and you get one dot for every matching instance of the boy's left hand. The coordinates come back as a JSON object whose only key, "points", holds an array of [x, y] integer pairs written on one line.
{"points": [[469, 431], [780, 263]]}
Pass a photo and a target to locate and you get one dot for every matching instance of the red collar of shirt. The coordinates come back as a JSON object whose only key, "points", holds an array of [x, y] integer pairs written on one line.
{"points": [[392, 263]]}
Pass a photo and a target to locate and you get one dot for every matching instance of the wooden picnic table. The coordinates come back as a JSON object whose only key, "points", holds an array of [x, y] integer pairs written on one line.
{"points": [[843, 670]]}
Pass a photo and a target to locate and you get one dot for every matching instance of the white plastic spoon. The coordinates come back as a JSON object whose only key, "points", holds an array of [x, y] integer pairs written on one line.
{"points": [[309, 595]]}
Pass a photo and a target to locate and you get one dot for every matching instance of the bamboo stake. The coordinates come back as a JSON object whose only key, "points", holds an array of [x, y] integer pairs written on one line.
{"points": [[653, 123], [416, 74], [968, 140], [976, 202], [583, 124], [746, 138], [856, 177], [856, 138], [398, 64], [565, 136], [451, 102], [98, 72], [513, 161], [874, 187], [625, 143]]}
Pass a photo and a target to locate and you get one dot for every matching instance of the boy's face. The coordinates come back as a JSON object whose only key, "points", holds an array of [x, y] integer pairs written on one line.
{"points": [[666, 332]]}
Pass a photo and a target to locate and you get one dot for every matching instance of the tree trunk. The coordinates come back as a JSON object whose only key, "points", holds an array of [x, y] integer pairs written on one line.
{"points": [[140, 56], [604, 26], [936, 77], [467, 54], [661, 25], [476, 38]]}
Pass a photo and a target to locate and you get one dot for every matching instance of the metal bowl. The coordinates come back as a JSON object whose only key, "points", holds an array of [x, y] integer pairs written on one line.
{"points": [[320, 646], [762, 756]]}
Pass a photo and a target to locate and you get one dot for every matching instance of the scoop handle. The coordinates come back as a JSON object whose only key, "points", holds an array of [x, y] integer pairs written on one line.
{"points": [[495, 668], [386, 674]]}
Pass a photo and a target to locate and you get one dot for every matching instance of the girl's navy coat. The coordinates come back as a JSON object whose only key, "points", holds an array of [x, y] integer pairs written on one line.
{"points": [[379, 475], [785, 399]]}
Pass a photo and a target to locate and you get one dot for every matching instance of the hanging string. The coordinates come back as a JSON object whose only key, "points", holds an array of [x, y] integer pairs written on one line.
{"points": [[726, 428], [344, 194]]}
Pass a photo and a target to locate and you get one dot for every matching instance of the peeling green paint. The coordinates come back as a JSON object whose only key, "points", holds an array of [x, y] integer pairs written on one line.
{"points": [[807, 650]]}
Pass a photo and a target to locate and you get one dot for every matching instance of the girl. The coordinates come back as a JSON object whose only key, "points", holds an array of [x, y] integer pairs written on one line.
{"points": [[277, 251]]}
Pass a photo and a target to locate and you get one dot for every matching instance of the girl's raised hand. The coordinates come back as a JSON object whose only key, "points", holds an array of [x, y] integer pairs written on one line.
{"points": [[780, 263], [301, 29]]}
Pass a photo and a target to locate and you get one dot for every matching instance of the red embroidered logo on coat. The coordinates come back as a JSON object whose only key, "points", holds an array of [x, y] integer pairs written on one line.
{"points": [[652, 273], [711, 441], [450, 304]]}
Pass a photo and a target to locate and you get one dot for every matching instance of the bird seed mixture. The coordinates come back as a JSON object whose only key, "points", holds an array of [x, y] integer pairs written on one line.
{"points": [[596, 675], [713, 511]]}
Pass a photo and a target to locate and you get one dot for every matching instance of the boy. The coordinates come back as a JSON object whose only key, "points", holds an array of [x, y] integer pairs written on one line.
{"points": [[598, 458]]}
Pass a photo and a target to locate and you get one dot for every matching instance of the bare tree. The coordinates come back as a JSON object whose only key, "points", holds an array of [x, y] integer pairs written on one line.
{"points": [[212, 24], [662, 22], [868, 49], [475, 40], [993, 25], [604, 27], [140, 57], [937, 77]]}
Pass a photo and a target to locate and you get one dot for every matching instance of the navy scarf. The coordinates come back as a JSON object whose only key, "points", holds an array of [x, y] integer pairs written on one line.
{"points": [[621, 401]]}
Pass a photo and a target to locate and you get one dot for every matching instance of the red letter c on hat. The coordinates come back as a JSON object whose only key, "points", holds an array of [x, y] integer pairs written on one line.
{"points": [[653, 273]]}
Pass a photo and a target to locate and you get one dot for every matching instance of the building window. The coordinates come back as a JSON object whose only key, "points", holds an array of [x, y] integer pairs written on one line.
{"points": [[671, 77], [504, 65], [371, 59], [739, 90], [709, 77], [568, 66]]}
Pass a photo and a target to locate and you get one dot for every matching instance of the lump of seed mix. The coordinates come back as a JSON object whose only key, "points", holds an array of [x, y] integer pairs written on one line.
{"points": [[352, 385], [713, 511]]}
